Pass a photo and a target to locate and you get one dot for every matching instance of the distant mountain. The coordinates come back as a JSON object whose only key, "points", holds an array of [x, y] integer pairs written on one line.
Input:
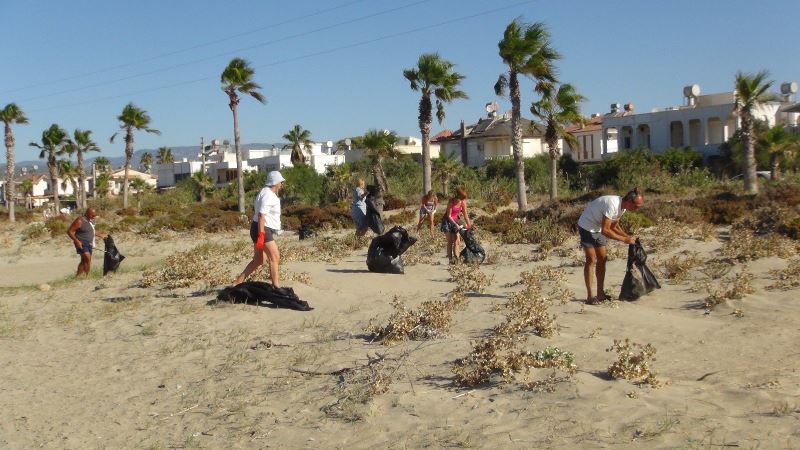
{"points": [[188, 152]]}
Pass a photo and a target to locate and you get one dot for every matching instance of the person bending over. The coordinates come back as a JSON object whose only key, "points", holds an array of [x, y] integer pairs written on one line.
{"points": [[455, 206], [427, 209], [82, 233], [265, 225], [598, 223]]}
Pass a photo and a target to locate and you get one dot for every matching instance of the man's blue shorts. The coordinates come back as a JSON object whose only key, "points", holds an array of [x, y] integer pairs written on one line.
{"points": [[87, 248]]}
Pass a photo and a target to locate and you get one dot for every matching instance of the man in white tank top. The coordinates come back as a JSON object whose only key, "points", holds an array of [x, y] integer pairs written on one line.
{"points": [[598, 223]]}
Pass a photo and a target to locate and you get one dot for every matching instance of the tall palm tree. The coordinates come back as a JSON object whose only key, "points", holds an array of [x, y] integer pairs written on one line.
{"points": [[164, 155], [68, 172], [433, 75], [140, 187], [80, 144], [132, 119], [526, 50], [780, 145], [146, 162], [238, 78], [751, 91], [11, 114], [445, 168], [380, 145], [301, 143], [557, 109], [52, 146]]}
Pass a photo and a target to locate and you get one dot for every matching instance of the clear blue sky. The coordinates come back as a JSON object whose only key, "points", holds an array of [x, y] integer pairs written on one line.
{"points": [[335, 67]]}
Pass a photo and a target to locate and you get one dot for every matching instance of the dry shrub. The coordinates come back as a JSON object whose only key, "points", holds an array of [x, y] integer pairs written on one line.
{"points": [[469, 277], [58, 225], [402, 218], [498, 223], [677, 268], [357, 387], [427, 249], [715, 269], [785, 193], [663, 236], [329, 249], [723, 208], [659, 211], [34, 230], [731, 288], [528, 310], [430, 321], [543, 232], [391, 202], [704, 232], [788, 278], [200, 265], [328, 217], [500, 355], [633, 362], [743, 245]]}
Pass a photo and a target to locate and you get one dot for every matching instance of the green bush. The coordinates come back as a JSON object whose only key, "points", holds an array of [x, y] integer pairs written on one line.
{"points": [[58, 225], [34, 230], [634, 221], [303, 185]]}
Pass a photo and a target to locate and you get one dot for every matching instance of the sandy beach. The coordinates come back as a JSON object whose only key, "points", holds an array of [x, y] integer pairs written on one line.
{"points": [[108, 363]]}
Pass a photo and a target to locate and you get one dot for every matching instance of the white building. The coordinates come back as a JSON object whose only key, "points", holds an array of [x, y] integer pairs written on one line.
{"points": [[406, 145], [116, 181], [491, 138], [590, 136], [320, 156], [703, 123]]}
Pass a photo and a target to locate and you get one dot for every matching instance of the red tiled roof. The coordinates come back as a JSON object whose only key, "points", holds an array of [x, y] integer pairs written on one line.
{"points": [[442, 135]]}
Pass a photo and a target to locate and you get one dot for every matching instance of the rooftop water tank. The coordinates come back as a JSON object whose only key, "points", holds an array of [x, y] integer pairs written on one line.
{"points": [[789, 88], [691, 91]]}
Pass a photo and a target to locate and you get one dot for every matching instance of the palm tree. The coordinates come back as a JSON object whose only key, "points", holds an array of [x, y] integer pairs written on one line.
{"points": [[102, 184], [526, 50], [301, 142], [140, 187], [433, 75], [68, 173], [780, 145], [751, 91], [81, 143], [11, 114], [238, 78], [556, 110], [132, 119], [102, 164], [26, 186], [340, 180], [164, 155], [146, 161], [204, 183], [52, 146], [380, 145], [446, 167]]}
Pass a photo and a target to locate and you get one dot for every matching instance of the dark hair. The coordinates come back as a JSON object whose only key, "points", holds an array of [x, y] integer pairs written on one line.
{"points": [[632, 195]]}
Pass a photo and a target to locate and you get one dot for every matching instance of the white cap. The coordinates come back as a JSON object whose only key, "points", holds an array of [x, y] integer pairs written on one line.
{"points": [[274, 178]]}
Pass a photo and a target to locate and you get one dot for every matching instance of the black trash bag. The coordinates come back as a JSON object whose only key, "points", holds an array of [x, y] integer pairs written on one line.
{"points": [[113, 257], [385, 251], [374, 220], [305, 232], [256, 292], [634, 285], [473, 252]]}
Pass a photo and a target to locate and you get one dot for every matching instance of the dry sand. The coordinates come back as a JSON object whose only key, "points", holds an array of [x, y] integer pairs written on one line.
{"points": [[104, 363]]}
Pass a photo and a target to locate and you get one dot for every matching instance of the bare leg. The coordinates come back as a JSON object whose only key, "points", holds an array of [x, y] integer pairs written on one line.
{"points": [[451, 244], [419, 224], [258, 259], [85, 265], [274, 258], [600, 271], [430, 216], [588, 268]]}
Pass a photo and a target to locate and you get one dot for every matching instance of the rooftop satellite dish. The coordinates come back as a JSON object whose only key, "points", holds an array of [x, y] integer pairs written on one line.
{"points": [[491, 107], [329, 144], [348, 142], [789, 88]]}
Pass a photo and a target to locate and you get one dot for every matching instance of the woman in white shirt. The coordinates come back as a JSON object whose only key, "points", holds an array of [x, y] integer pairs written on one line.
{"points": [[265, 225]]}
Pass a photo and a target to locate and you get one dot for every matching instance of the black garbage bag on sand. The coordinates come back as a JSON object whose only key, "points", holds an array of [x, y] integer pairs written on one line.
{"points": [[374, 220], [113, 257], [473, 252], [385, 251], [256, 292], [635, 285]]}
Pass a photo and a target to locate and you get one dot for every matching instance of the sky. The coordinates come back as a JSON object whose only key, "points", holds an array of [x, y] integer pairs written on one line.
{"points": [[336, 67]]}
